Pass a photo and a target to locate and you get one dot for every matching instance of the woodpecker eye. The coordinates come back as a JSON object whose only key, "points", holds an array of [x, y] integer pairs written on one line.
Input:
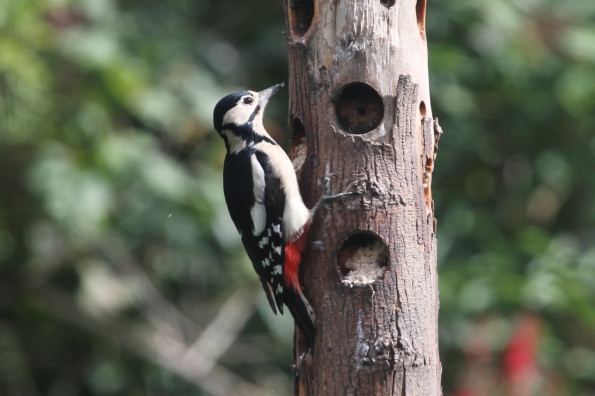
{"points": [[248, 100]]}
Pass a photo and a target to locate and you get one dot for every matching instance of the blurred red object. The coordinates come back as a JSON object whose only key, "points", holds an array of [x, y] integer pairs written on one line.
{"points": [[519, 360]]}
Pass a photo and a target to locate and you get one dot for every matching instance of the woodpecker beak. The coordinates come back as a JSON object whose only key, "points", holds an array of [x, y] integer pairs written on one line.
{"points": [[264, 96]]}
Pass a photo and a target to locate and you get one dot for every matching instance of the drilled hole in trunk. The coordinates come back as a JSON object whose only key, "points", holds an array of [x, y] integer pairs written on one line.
{"points": [[358, 107], [420, 11], [301, 13], [422, 108], [298, 149], [387, 3], [362, 258]]}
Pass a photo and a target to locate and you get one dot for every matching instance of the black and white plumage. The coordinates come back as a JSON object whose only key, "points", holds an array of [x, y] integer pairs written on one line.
{"points": [[264, 201]]}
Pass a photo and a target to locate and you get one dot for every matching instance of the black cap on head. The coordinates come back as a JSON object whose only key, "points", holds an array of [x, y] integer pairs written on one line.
{"points": [[223, 106]]}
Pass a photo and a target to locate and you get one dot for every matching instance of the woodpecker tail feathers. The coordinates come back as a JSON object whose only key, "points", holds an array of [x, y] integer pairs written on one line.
{"points": [[268, 290], [302, 313]]}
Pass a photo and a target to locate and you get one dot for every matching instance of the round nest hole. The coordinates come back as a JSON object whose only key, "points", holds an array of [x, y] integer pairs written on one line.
{"points": [[362, 258], [301, 14], [359, 108]]}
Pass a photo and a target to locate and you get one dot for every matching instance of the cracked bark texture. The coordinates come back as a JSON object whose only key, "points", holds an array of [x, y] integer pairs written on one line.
{"points": [[381, 338]]}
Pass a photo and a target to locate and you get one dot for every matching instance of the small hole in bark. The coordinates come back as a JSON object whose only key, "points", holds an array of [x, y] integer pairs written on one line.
{"points": [[362, 258], [422, 108], [359, 108], [388, 3], [301, 13], [420, 11], [298, 149]]}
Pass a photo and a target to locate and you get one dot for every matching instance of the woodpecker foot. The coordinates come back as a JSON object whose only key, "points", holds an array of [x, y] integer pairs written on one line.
{"points": [[326, 197], [303, 359]]}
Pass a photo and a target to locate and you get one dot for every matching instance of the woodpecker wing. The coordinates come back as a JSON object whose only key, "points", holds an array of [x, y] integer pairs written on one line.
{"points": [[237, 187], [256, 201]]}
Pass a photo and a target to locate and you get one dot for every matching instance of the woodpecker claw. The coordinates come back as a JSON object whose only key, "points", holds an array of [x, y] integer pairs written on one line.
{"points": [[304, 358]]}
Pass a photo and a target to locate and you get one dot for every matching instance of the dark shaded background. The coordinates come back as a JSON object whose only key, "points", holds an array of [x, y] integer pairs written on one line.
{"points": [[122, 274]]}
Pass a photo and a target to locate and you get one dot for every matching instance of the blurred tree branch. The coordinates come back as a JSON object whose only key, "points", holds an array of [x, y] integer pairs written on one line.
{"points": [[197, 362]]}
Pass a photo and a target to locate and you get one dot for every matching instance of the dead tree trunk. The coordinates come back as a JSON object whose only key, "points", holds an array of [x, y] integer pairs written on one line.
{"points": [[360, 120]]}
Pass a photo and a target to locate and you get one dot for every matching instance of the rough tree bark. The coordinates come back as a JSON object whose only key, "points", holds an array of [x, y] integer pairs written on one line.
{"points": [[360, 120]]}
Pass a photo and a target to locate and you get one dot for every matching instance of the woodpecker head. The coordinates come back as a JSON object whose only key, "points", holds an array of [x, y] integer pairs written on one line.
{"points": [[240, 114]]}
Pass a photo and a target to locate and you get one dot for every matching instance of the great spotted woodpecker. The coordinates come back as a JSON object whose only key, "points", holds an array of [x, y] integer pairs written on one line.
{"points": [[264, 201]]}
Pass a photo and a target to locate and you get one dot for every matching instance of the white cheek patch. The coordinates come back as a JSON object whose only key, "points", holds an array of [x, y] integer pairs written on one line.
{"points": [[258, 211], [240, 114]]}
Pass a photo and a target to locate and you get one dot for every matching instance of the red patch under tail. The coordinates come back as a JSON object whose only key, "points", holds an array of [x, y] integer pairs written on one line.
{"points": [[293, 259]]}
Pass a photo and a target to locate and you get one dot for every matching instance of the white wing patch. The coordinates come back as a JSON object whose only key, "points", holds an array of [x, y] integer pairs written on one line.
{"points": [[258, 211], [263, 242], [277, 249], [295, 214], [277, 228]]}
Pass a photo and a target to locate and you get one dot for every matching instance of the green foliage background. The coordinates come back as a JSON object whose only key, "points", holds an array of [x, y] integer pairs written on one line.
{"points": [[120, 271]]}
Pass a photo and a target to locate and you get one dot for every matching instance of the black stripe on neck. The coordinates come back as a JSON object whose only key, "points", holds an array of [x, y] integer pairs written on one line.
{"points": [[246, 133], [253, 115]]}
